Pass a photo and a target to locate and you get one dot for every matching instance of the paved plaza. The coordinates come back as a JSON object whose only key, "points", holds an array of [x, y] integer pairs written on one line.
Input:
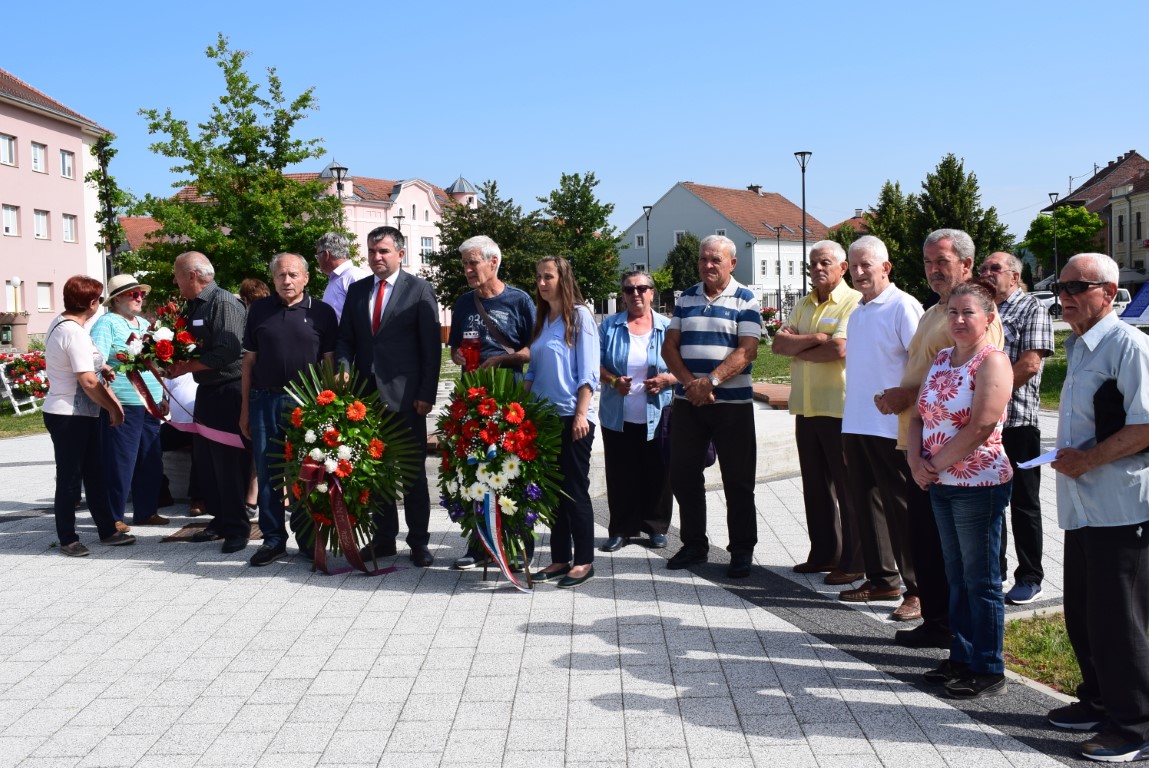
{"points": [[173, 654]]}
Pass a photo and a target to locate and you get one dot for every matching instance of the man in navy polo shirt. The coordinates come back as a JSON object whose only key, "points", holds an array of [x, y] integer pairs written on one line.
{"points": [[285, 333]]}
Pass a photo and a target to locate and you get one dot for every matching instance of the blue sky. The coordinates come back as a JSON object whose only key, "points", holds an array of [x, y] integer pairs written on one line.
{"points": [[644, 94]]}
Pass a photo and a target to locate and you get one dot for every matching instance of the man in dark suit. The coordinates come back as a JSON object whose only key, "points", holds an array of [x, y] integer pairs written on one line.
{"points": [[389, 332]]}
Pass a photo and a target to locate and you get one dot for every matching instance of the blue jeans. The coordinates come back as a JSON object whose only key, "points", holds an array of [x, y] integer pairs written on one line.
{"points": [[969, 525], [133, 461], [265, 416]]}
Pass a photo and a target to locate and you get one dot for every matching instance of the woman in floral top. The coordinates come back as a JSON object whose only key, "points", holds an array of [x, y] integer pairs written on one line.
{"points": [[955, 451]]}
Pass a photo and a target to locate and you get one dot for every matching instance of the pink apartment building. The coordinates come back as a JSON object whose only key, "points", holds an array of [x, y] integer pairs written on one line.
{"points": [[48, 212]]}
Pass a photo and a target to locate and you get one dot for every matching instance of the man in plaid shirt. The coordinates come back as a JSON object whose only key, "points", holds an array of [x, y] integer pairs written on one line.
{"points": [[1028, 339]]}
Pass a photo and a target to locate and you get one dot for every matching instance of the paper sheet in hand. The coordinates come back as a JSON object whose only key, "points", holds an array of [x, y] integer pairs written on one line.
{"points": [[1046, 458]]}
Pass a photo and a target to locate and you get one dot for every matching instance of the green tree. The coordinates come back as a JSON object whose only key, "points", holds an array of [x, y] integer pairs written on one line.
{"points": [[1077, 230], [891, 220], [244, 209], [113, 200], [579, 225], [844, 236], [682, 261], [522, 238]]}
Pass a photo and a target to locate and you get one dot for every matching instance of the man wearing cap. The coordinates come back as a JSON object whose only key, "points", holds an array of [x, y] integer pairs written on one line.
{"points": [[285, 333], [333, 254], [133, 458]]}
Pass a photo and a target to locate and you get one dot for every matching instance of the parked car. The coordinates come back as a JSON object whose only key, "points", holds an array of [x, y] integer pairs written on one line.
{"points": [[1121, 301], [1047, 300]]}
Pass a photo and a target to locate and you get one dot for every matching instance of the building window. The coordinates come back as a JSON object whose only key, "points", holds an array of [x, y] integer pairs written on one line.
{"points": [[640, 241], [1121, 228], [39, 158], [7, 149], [678, 235], [67, 163], [69, 228], [412, 213], [40, 224], [791, 269], [764, 269], [1137, 224], [11, 221], [44, 297], [426, 214], [427, 246], [721, 232]]}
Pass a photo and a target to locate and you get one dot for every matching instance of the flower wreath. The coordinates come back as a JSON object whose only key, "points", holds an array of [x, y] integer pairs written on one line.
{"points": [[499, 448], [26, 376], [342, 454]]}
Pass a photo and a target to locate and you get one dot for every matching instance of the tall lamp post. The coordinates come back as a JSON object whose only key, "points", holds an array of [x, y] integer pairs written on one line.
{"points": [[340, 173], [399, 221], [646, 209], [803, 159], [1053, 215], [778, 239]]}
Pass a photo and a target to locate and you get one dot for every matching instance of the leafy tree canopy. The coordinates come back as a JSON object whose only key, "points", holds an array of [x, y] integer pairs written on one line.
{"points": [[682, 262], [578, 223], [1076, 229], [245, 210]]}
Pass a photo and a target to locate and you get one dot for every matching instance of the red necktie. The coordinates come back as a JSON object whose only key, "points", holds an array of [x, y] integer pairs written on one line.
{"points": [[377, 313]]}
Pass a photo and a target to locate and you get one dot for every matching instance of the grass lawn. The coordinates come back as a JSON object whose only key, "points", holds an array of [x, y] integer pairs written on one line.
{"points": [[770, 367], [12, 425], [1053, 376], [1039, 649]]}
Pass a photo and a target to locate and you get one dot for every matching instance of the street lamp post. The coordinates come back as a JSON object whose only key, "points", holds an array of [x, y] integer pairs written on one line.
{"points": [[1053, 215], [778, 239], [340, 173], [803, 159], [646, 209], [399, 221]]}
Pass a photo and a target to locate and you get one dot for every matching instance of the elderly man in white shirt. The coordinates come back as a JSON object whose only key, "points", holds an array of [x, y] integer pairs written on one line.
{"points": [[333, 254]]}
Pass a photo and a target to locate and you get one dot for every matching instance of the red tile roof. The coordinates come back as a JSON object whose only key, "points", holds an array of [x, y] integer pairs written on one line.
{"points": [[14, 89], [137, 228], [371, 190], [758, 212], [858, 223], [1094, 193]]}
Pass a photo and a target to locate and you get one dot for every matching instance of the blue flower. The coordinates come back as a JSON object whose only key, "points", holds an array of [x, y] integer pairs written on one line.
{"points": [[534, 493]]}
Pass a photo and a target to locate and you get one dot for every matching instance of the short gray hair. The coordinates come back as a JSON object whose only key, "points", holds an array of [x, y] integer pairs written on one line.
{"points": [[486, 247], [962, 243], [871, 245], [198, 264], [271, 267], [637, 273], [833, 247], [335, 244], [722, 240], [1102, 266]]}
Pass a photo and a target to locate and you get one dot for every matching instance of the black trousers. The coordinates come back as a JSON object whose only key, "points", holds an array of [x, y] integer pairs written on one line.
{"points": [[929, 563], [1022, 444], [637, 483], [830, 520], [416, 496], [876, 478], [574, 518], [731, 427], [76, 446], [1107, 616], [223, 470]]}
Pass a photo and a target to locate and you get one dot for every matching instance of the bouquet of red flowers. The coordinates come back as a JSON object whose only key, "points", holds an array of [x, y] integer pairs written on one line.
{"points": [[166, 341], [341, 453], [25, 375], [500, 451]]}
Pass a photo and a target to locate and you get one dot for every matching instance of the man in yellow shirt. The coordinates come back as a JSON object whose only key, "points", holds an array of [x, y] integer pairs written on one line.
{"points": [[815, 338], [948, 256]]}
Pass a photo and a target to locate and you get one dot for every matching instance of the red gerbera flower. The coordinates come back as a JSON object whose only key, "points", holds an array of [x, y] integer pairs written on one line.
{"points": [[326, 397], [343, 468], [331, 437], [296, 490], [356, 411], [288, 450], [297, 417], [376, 448], [364, 495], [514, 413], [488, 407]]}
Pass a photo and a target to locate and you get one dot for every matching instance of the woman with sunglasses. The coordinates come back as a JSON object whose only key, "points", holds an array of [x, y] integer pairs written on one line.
{"points": [[133, 457], [564, 370], [636, 389]]}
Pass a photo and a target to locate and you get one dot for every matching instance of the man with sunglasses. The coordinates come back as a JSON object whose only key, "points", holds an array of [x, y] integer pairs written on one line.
{"points": [[1028, 339], [814, 337], [1102, 484]]}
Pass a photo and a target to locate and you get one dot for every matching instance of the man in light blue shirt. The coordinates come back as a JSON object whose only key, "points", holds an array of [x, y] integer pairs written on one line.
{"points": [[1102, 488], [333, 254]]}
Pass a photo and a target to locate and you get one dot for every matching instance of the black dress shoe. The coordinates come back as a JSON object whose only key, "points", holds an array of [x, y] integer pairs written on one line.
{"points": [[207, 534], [545, 575], [740, 565], [924, 636], [687, 556], [421, 557], [658, 541], [569, 582], [377, 550], [234, 545], [614, 544]]}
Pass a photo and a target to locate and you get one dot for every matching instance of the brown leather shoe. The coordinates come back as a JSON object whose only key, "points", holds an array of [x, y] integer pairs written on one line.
{"points": [[868, 592], [154, 520], [837, 578], [122, 527], [909, 610], [814, 567], [196, 509]]}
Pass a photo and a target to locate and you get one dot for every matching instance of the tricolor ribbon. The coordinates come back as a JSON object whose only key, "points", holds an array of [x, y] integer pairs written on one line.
{"points": [[311, 474], [490, 531]]}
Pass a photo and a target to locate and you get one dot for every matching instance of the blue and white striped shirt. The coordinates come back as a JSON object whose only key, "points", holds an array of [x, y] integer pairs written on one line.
{"points": [[710, 332]]}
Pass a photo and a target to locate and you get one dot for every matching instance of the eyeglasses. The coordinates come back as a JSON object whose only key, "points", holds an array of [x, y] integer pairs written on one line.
{"points": [[630, 290], [136, 294], [1074, 287], [987, 269]]}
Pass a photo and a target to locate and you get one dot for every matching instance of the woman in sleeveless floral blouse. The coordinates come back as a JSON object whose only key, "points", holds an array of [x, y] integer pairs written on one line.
{"points": [[955, 451]]}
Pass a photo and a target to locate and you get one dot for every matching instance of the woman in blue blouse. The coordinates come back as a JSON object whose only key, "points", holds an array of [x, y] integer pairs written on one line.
{"points": [[564, 370], [132, 456], [636, 387]]}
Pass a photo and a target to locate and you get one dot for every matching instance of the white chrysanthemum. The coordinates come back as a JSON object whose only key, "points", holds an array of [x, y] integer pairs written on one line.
{"points": [[507, 505], [482, 474], [498, 481], [512, 467], [163, 334], [136, 346], [476, 492], [452, 488], [344, 452], [316, 455], [461, 478], [322, 487], [310, 437], [330, 464]]}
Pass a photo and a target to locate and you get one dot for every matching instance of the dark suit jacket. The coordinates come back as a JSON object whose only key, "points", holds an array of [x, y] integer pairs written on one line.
{"points": [[404, 356]]}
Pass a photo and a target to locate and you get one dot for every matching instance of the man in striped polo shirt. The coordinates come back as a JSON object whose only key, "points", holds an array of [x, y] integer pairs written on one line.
{"points": [[710, 347]]}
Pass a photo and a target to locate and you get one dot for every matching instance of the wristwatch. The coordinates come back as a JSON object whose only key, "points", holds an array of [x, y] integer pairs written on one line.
{"points": [[714, 382]]}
